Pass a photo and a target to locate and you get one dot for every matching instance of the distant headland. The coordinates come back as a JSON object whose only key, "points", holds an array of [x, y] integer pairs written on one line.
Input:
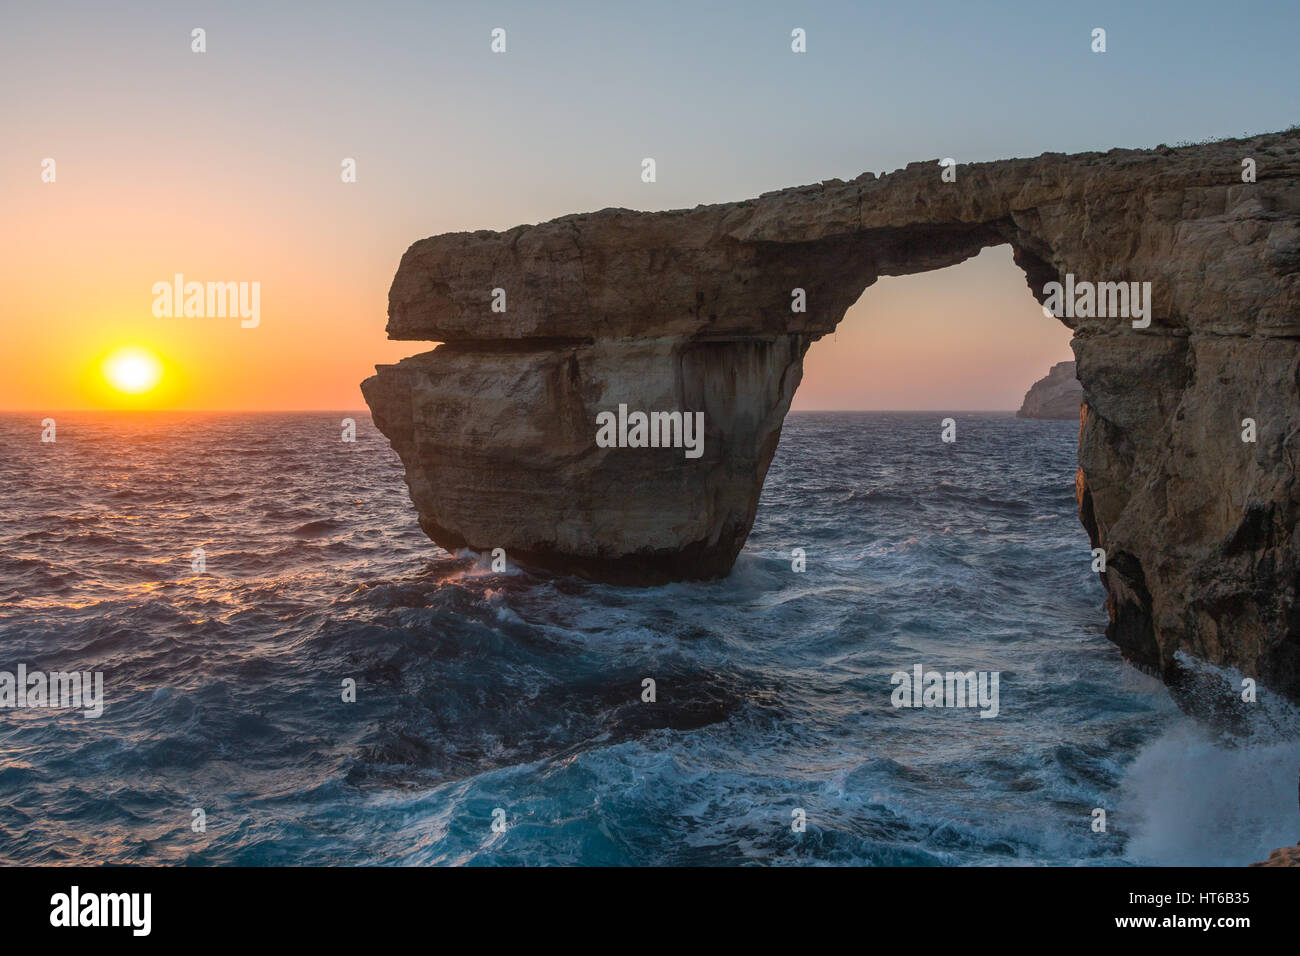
{"points": [[1056, 395]]}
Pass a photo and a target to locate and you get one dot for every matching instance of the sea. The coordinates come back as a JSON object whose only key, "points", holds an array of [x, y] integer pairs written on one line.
{"points": [[294, 674]]}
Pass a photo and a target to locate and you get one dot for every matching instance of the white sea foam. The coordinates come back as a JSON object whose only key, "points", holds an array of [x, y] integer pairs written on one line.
{"points": [[1194, 796]]}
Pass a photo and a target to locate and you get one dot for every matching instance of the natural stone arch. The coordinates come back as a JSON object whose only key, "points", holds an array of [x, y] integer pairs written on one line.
{"points": [[690, 310]]}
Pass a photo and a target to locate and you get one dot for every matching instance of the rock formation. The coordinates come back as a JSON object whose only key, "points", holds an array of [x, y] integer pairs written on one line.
{"points": [[1286, 856], [1057, 395], [693, 310]]}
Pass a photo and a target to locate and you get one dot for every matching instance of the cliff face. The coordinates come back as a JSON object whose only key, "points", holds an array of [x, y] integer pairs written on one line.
{"points": [[692, 311], [1056, 395]]}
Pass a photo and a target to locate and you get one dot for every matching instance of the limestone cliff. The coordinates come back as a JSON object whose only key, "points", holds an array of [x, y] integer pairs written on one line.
{"points": [[1057, 395], [692, 310]]}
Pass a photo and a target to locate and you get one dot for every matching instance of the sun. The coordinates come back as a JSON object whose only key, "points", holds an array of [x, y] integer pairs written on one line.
{"points": [[132, 370]]}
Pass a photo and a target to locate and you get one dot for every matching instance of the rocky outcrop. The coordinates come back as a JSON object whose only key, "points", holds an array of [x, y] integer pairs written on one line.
{"points": [[1287, 856], [695, 310], [1056, 395]]}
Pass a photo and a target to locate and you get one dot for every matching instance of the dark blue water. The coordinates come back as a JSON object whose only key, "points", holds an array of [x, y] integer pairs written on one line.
{"points": [[479, 691]]}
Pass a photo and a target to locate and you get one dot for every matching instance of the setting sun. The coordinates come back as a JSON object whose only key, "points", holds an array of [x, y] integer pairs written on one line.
{"points": [[132, 370]]}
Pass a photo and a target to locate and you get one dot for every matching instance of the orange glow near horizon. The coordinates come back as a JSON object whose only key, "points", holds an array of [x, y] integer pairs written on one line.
{"points": [[969, 337], [79, 283], [79, 275]]}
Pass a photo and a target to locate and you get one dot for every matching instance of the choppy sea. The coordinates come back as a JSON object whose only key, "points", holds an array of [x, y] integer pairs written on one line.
{"points": [[479, 691]]}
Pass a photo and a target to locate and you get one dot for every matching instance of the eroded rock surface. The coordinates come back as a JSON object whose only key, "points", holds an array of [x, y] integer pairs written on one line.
{"points": [[1057, 395], [691, 310], [1286, 856]]}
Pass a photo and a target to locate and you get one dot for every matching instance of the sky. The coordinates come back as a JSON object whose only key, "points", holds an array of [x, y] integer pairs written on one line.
{"points": [[225, 165]]}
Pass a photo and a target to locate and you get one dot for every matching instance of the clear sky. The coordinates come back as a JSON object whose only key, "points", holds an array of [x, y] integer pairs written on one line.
{"points": [[225, 165]]}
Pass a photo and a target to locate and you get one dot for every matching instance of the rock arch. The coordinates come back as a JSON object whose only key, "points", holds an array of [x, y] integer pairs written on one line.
{"points": [[690, 310]]}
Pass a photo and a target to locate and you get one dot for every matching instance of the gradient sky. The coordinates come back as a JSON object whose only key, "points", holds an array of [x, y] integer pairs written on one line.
{"points": [[225, 165]]}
